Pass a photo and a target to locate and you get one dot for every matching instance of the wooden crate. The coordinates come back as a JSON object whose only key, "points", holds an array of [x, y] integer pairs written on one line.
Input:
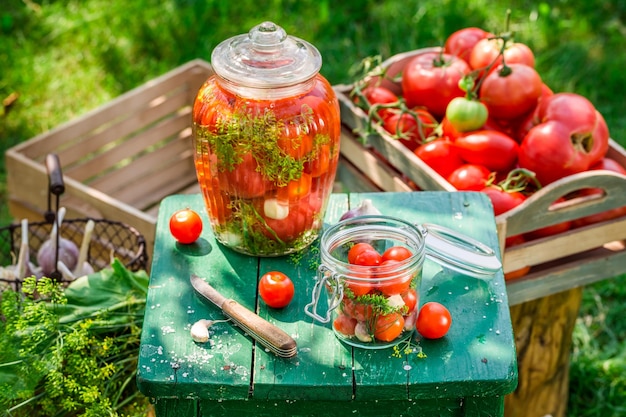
{"points": [[568, 260], [120, 160]]}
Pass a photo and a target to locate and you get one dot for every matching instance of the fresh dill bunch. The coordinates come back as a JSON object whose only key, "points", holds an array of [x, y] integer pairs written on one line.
{"points": [[72, 351]]}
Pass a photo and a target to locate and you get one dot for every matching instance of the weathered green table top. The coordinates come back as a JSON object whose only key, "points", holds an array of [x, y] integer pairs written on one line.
{"points": [[468, 372]]}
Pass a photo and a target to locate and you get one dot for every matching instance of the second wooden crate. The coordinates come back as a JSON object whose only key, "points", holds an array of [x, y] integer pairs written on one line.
{"points": [[120, 160]]}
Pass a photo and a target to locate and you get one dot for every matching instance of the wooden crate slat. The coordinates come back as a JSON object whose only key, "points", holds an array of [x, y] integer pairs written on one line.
{"points": [[148, 164], [125, 152], [191, 74], [377, 172], [154, 189], [566, 273], [536, 213], [120, 133], [564, 244]]}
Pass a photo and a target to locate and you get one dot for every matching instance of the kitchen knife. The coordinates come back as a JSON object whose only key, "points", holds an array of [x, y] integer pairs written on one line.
{"points": [[261, 330]]}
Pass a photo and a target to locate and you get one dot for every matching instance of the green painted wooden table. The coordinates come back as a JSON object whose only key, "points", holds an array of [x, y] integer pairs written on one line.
{"points": [[467, 373]]}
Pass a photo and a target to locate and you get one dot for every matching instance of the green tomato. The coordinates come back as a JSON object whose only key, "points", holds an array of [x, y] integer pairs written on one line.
{"points": [[466, 115]]}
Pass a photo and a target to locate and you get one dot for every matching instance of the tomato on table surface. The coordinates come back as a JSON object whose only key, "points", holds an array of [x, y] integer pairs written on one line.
{"points": [[433, 320], [276, 289], [185, 226]]}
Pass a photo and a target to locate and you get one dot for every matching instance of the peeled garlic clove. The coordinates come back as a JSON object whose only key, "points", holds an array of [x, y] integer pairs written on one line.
{"points": [[200, 330], [360, 331], [274, 209]]}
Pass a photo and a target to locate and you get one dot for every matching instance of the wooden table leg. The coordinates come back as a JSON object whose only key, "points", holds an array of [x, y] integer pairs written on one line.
{"points": [[543, 337]]}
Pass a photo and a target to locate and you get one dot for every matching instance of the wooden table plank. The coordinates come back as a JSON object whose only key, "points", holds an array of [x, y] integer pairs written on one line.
{"points": [[170, 357]]}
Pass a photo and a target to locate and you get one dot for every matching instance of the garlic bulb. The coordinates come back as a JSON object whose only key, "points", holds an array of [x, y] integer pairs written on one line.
{"points": [[68, 251], [366, 208]]}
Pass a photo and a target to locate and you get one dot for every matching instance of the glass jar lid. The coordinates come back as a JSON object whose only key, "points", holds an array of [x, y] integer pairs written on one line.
{"points": [[266, 57], [460, 252]]}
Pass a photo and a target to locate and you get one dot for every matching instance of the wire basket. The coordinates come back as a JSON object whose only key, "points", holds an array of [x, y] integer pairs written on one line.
{"points": [[109, 240]]}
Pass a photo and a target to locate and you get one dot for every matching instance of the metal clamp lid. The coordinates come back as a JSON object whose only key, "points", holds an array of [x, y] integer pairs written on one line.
{"points": [[460, 252]]}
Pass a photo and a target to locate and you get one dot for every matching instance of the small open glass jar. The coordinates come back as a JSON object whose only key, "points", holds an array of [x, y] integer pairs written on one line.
{"points": [[375, 307], [266, 142]]}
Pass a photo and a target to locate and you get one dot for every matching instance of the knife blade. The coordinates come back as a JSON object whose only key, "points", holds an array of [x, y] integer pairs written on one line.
{"points": [[261, 330]]}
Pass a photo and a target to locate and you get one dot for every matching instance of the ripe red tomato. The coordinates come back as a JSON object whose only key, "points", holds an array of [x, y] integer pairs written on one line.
{"points": [[390, 283], [388, 327], [432, 80], [397, 253], [469, 177], [377, 95], [492, 149], [588, 128], [294, 140], [487, 51], [411, 129], [462, 41], [358, 288], [548, 151], [448, 131], [433, 320], [185, 226], [296, 189], [320, 163], [344, 324], [511, 91], [289, 228], [244, 180], [358, 311], [276, 289], [368, 258], [503, 200], [357, 249], [410, 299], [441, 155]]}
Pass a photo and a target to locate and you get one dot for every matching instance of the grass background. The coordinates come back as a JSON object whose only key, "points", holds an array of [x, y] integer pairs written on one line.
{"points": [[65, 57]]}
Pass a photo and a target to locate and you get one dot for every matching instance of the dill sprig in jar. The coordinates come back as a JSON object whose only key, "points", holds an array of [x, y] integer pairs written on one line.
{"points": [[266, 139]]}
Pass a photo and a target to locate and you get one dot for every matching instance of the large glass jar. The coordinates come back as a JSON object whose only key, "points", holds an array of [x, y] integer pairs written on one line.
{"points": [[266, 139]]}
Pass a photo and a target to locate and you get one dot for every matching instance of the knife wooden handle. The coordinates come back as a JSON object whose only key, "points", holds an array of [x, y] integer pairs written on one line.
{"points": [[260, 329]]}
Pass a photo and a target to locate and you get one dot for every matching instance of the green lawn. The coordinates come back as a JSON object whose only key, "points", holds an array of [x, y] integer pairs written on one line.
{"points": [[66, 57]]}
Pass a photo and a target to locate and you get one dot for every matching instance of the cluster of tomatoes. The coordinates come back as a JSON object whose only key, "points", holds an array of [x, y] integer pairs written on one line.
{"points": [[478, 113], [380, 300]]}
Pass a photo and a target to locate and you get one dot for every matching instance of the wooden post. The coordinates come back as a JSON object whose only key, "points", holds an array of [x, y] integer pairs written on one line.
{"points": [[543, 337]]}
